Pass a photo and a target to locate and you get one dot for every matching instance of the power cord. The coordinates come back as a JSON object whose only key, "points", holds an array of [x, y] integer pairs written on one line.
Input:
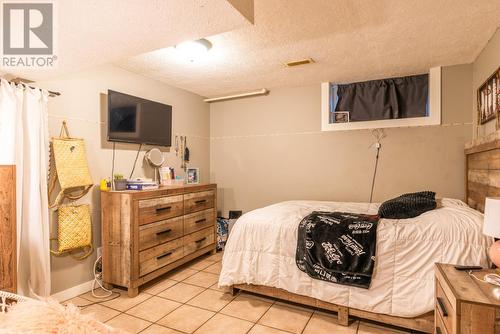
{"points": [[98, 281], [135, 162], [113, 167], [493, 279], [378, 134]]}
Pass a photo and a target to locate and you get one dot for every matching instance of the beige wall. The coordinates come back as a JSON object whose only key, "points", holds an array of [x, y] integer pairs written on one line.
{"points": [[83, 105], [485, 65], [269, 149]]}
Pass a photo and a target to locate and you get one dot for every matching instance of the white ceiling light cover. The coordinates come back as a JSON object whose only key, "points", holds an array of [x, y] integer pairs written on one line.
{"points": [[194, 50]]}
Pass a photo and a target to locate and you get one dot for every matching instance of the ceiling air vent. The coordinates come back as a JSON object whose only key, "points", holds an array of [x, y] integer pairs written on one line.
{"points": [[300, 62]]}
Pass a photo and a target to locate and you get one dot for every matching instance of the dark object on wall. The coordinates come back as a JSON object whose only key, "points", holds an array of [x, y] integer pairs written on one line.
{"points": [[488, 99], [186, 154], [408, 205], [394, 98], [133, 119], [338, 247]]}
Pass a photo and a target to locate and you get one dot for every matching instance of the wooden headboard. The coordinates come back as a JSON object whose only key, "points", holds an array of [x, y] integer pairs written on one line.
{"points": [[483, 173]]}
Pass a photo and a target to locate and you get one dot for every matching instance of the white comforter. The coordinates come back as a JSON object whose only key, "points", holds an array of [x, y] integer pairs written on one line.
{"points": [[261, 250]]}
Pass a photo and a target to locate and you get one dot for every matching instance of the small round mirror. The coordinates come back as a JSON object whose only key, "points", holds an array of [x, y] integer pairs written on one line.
{"points": [[155, 157]]}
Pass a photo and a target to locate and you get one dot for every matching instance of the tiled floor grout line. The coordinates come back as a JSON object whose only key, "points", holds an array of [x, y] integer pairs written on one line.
{"points": [[113, 317], [215, 313], [204, 322], [257, 321], [307, 323], [193, 272], [181, 304], [153, 295], [124, 312], [184, 303], [283, 330]]}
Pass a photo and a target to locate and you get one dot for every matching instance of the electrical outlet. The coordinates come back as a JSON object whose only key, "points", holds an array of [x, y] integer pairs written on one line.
{"points": [[99, 252]]}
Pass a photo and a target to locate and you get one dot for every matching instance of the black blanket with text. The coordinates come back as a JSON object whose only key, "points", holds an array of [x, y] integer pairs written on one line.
{"points": [[338, 247]]}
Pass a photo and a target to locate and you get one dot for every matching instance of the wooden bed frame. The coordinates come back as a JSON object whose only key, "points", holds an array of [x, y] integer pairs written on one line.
{"points": [[482, 180], [422, 323]]}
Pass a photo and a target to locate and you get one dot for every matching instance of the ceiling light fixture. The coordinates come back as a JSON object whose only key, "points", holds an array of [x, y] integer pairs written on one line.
{"points": [[262, 91], [194, 50]]}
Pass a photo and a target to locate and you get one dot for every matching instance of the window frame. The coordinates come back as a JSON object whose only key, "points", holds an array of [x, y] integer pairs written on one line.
{"points": [[434, 117]]}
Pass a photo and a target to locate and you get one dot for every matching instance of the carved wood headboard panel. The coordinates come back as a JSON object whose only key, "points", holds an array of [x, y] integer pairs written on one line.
{"points": [[483, 173]]}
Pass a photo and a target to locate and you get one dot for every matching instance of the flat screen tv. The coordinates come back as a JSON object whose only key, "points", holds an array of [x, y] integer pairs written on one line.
{"points": [[132, 119]]}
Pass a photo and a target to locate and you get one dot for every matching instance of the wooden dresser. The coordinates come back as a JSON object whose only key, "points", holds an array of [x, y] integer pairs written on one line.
{"points": [[148, 233], [463, 304], [8, 241]]}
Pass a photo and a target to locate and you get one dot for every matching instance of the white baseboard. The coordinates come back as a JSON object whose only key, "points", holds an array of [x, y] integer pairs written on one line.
{"points": [[72, 292]]}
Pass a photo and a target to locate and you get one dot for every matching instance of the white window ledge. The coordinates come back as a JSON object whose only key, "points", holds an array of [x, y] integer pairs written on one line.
{"points": [[434, 117]]}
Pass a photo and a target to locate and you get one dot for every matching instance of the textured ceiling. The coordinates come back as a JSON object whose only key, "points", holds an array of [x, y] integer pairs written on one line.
{"points": [[349, 40], [92, 32]]}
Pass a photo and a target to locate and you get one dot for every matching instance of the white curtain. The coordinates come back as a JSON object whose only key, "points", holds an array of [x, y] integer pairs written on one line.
{"points": [[24, 140]]}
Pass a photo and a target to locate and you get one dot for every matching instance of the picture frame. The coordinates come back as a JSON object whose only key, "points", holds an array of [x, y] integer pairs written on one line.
{"points": [[193, 176], [488, 99], [341, 117]]}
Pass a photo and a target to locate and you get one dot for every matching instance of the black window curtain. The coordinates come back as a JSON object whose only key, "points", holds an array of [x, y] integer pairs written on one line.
{"points": [[392, 98]]}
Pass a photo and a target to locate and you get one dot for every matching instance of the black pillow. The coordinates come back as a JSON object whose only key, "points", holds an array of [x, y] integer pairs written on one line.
{"points": [[408, 205]]}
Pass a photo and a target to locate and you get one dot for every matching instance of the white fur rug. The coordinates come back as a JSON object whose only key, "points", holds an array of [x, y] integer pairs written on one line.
{"points": [[37, 317]]}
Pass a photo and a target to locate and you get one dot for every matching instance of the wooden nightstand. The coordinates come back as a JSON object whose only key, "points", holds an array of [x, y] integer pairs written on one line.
{"points": [[463, 304]]}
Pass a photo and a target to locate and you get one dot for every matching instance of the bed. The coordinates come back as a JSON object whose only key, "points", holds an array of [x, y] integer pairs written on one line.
{"points": [[260, 257]]}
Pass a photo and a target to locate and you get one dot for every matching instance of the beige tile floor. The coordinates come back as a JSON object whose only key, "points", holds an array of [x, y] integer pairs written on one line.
{"points": [[189, 301]]}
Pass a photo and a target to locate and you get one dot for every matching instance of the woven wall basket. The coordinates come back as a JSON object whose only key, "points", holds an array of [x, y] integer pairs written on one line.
{"points": [[74, 229], [69, 167]]}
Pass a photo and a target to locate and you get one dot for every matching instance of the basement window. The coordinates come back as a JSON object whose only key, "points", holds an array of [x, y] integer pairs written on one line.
{"points": [[394, 102]]}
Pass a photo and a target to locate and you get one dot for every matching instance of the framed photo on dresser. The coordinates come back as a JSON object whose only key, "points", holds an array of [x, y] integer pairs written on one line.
{"points": [[488, 98], [193, 176]]}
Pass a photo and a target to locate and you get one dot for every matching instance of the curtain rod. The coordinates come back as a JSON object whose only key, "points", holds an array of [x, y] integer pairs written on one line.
{"points": [[51, 93]]}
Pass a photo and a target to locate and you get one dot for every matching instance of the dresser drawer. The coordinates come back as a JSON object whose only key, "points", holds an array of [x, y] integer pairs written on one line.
{"points": [[199, 220], [159, 232], [159, 256], [440, 327], [197, 240], [153, 210], [444, 309], [199, 201]]}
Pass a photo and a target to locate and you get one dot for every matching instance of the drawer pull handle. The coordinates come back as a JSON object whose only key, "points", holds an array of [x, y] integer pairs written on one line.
{"points": [[200, 221], [164, 255], [201, 201], [441, 307], [160, 209], [202, 239], [164, 232]]}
